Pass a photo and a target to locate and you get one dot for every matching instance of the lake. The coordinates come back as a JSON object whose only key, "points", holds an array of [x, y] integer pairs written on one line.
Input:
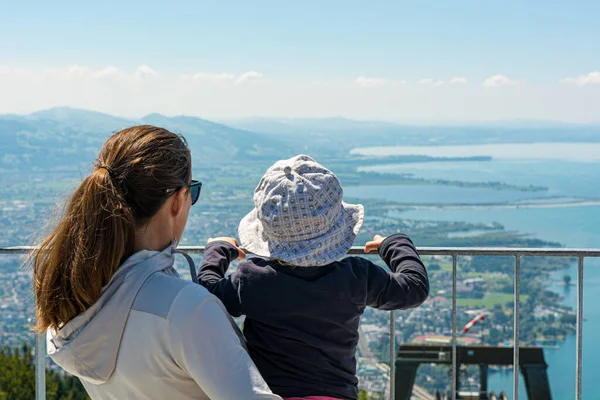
{"points": [[427, 194], [568, 170], [588, 152]]}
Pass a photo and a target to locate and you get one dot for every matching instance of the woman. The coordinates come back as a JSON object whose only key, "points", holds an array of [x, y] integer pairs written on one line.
{"points": [[116, 312]]}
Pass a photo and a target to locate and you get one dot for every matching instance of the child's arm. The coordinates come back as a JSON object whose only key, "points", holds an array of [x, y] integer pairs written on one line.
{"points": [[407, 285], [217, 257]]}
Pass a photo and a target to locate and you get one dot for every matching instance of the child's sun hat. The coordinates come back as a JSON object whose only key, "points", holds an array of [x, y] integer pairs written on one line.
{"points": [[299, 216]]}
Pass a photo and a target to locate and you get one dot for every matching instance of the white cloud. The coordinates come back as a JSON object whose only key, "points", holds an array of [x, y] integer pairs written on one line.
{"points": [[248, 76], [371, 82], [430, 82], [498, 81], [143, 71], [18, 73], [593, 78], [222, 77], [27, 90], [208, 77], [108, 72], [76, 70], [458, 80]]}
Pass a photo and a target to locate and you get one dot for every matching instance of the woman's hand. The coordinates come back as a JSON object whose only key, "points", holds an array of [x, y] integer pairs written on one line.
{"points": [[231, 241], [374, 245]]}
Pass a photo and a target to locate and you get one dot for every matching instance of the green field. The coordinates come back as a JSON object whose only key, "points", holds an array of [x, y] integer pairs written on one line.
{"points": [[490, 300]]}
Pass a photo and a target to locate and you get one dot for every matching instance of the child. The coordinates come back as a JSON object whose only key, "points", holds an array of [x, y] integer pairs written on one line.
{"points": [[302, 302]]}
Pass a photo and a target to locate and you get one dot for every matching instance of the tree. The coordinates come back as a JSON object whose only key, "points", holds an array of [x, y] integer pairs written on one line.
{"points": [[494, 337], [17, 378], [567, 280], [362, 395], [376, 396], [568, 319], [434, 267]]}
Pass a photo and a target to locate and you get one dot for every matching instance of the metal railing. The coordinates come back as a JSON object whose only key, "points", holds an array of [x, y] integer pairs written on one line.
{"points": [[454, 253]]}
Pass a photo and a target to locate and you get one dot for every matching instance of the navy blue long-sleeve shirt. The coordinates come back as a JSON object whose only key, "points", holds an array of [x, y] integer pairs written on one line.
{"points": [[302, 322]]}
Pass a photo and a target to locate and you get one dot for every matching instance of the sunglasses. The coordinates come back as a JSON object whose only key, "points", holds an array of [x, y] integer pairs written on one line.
{"points": [[195, 189]]}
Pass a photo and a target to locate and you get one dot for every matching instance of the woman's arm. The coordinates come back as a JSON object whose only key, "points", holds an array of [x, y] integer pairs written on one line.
{"points": [[204, 345], [407, 285], [217, 257]]}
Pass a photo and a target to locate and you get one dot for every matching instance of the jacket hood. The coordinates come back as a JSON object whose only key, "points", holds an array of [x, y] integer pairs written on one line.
{"points": [[88, 345]]}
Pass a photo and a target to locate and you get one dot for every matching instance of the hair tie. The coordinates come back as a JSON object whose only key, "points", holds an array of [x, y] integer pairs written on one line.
{"points": [[109, 169]]}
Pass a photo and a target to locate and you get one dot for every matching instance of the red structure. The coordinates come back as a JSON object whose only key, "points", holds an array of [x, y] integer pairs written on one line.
{"points": [[475, 320]]}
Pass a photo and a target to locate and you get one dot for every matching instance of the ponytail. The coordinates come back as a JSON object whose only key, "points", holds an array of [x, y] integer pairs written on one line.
{"points": [[74, 263]]}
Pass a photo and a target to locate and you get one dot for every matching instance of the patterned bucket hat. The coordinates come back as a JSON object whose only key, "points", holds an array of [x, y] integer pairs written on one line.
{"points": [[300, 217]]}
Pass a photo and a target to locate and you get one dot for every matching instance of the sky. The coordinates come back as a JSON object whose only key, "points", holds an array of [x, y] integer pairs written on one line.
{"points": [[405, 61]]}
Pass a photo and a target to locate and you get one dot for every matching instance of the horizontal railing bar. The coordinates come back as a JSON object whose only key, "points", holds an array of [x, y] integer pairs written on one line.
{"points": [[508, 251], [424, 251]]}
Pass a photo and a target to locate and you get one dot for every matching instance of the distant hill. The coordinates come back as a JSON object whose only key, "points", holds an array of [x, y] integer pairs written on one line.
{"points": [[348, 133], [219, 143], [83, 119], [70, 138], [291, 126]]}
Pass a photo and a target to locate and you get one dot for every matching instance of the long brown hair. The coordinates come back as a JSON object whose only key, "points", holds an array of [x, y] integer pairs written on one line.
{"points": [[130, 182]]}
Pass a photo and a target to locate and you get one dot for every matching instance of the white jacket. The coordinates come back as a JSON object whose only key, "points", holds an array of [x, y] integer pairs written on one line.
{"points": [[152, 335]]}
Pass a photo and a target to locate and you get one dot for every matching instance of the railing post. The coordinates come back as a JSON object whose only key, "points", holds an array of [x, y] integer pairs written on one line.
{"points": [[392, 354], [454, 366], [516, 327], [40, 366], [578, 369]]}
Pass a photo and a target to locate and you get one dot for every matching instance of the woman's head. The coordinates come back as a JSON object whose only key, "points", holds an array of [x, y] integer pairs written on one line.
{"points": [[140, 180]]}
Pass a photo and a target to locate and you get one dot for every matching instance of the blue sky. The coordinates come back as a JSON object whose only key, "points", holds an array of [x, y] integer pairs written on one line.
{"points": [[393, 60]]}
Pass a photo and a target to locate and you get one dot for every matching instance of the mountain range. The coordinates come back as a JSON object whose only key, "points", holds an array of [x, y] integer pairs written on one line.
{"points": [[65, 137], [381, 133]]}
